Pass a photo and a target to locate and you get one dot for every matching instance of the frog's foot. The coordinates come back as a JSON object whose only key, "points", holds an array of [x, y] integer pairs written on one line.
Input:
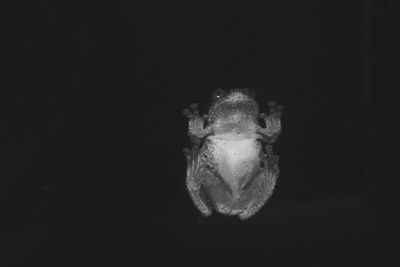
{"points": [[272, 122], [196, 123], [191, 113]]}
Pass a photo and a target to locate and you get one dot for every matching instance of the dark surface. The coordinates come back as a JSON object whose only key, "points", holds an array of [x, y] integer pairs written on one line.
{"points": [[94, 171]]}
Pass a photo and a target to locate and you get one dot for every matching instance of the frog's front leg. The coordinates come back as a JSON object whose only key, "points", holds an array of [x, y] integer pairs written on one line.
{"points": [[196, 123], [264, 183], [194, 178], [272, 122]]}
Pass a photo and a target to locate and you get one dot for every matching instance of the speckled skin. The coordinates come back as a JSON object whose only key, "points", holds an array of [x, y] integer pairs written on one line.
{"points": [[244, 187]]}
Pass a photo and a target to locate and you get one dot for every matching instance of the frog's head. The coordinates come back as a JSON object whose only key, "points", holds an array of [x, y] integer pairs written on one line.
{"points": [[233, 105]]}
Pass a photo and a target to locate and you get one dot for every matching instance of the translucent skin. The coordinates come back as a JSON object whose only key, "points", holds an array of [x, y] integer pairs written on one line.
{"points": [[228, 170]]}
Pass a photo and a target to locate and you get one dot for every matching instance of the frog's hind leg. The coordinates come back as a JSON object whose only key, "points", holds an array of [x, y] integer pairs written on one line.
{"points": [[266, 183], [271, 161], [193, 179]]}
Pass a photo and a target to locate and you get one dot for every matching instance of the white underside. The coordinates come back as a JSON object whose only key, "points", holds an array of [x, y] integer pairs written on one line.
{"points": [[235, 157]]}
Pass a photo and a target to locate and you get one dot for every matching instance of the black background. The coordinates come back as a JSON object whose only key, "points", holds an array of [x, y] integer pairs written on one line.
{"points": [[94, 172]]}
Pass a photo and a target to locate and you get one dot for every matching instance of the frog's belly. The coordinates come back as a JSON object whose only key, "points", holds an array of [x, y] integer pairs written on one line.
{"points": [[235, 158]]}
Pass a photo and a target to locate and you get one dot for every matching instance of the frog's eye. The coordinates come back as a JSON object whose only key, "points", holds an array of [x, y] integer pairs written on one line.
{"points": [[218, 94]]}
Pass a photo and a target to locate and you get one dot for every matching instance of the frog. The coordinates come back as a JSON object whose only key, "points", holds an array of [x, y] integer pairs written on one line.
{"points": [[231, 166]]}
